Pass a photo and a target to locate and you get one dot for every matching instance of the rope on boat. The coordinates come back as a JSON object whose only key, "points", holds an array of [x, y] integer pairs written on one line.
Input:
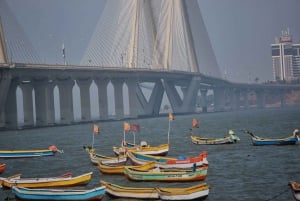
{"points": [[279, 194]]}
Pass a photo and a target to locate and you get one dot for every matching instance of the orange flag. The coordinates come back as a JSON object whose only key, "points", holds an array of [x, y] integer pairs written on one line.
{"points": [[126, 126], [96, 129], [171, 117], [195, 123]]}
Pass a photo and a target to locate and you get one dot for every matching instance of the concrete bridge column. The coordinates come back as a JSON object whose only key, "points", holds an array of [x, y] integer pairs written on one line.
{"points": [[151, 107], [65, 87], [132, 95], [219, 99], [245, 95], [44, 102], [118, 91], [260, 98], [84, 85], [102, 96], [203, 99], [11, 118], [27, 89], [5, 80], [235, 99]]}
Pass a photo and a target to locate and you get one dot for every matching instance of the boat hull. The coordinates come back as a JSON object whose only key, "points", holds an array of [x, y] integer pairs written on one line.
{"points": [[212, 141], [295, 187], [2, 167], [47, 182], [25, 153], [168, 162], [161, 150], [266, 141], [58, 194]]}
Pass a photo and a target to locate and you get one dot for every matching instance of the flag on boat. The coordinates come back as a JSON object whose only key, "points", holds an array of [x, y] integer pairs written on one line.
{"points": [[126, 126], [171, 117], [136, 128], [195, 123], [96, 129]]}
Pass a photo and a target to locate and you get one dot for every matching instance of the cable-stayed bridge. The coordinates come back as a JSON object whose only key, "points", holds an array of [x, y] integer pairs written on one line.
{"points": [[141, 52]]}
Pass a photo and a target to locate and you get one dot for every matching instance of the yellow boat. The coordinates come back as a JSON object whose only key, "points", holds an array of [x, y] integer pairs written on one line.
{"points": [[44, 182], [113, 169], [144, 148]]}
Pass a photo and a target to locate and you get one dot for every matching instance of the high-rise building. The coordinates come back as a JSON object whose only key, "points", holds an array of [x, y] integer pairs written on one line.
{"points": [[286, 58]]}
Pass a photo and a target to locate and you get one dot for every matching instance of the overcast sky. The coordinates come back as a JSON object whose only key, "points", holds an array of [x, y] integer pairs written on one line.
{"points": [[241, 31]]}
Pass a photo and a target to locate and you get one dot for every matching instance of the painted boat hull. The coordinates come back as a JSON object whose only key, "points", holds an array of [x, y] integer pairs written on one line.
{"points": [[113, 169], [275, 141], [168, 162], [212, 141], [156, 174], [97, 158], [2, 167], [195, 192], [161, 150], [25, 153], [129, 192], [58, 194], [47, 181], [295, 187]]}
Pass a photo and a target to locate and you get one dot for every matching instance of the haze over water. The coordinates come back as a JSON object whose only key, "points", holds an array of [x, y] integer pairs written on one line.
{"points": [[236, 172]]}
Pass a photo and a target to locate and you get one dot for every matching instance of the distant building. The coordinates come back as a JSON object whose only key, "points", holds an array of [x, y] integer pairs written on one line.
{"points": [[286, 58]]}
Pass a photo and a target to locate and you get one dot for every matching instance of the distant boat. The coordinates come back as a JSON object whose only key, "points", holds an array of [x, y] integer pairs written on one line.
{"points": [[113, 169], [45, 182], [229, 139], [28, 153], [93, 194], [2, 167], [289, 140]]}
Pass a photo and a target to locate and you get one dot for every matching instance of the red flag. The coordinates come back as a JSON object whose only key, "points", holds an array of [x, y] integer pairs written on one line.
{"points": [[171, 117], [136, 128], [126, 126], [195, 123], [96, 129]]}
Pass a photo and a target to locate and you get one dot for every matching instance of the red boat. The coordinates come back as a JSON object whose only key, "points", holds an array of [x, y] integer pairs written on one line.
{"points": [[2, 167]]}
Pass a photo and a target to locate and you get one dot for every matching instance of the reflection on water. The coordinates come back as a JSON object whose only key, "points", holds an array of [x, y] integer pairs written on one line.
{"points": [[236, 172]]}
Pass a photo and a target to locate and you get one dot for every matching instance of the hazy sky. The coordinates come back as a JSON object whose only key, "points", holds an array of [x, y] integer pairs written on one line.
{"points": [[240, 31]]}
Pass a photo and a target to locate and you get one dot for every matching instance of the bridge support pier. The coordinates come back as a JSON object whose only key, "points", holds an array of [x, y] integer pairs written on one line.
{"points": [[282, 99], [102, 96], [132, 95], [27, 89], [65, 87], [118, 92], [219, 99], [84, 86], [5, 80], [11, 119], [188, 102], [203, 99], [152, 106], [235, 99], [261, 98]]}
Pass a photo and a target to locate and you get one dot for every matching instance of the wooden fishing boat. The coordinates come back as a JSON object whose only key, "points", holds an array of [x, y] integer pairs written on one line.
{"points": [[295, 187], [150, 172], [2, 167], [44, 182], [129, 192], [28, 153], [94, 194], [230, 139], [196, 192], [113, 169], [168, 162], [290, 140], [99, 158], [144, 148]]}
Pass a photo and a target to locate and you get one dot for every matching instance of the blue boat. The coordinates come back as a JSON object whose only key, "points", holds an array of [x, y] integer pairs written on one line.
{"points": [[289, 140], [28, 153], [94, 194]]}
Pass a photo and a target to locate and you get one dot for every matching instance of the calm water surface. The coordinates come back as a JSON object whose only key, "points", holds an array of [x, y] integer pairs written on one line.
{"points": [[236, 172]]}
